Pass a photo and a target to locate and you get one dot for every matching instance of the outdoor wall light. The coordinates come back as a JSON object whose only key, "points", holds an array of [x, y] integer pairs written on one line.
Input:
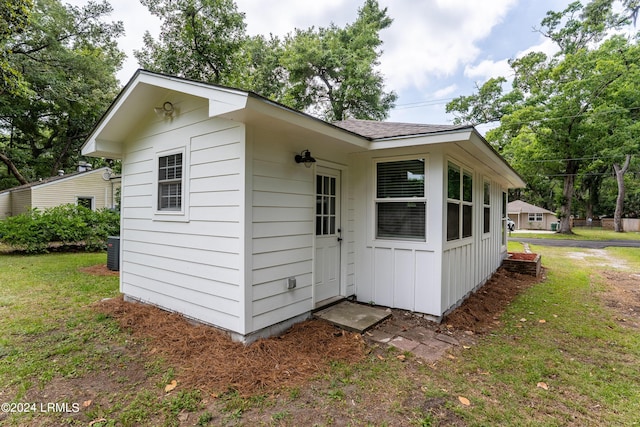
{"points": [[305, 157], [167, 110]]}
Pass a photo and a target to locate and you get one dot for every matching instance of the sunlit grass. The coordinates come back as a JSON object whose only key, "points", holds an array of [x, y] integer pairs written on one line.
{"points": [[581, 233]]}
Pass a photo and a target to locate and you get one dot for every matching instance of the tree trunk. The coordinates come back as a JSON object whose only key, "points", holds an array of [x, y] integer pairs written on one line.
{"points": [[565, 207], [617, 216], [13, 169]]}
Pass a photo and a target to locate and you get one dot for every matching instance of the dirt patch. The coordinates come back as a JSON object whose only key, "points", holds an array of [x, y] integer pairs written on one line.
{"points": [[207, 358], [623, 295], [98, 270]]}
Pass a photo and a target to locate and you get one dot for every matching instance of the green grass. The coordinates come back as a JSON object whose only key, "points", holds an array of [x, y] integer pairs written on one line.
{"points": [[581, 233], [51, 341], [587, 359]]}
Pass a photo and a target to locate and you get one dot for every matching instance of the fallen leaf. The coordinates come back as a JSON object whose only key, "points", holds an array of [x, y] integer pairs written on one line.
{"points": [[96, 421], [466, 347], [523, 320], [401, 357], [542, 321], [86, 403], [380, 357], [464, 401], [451, 356], [173, 384], [543, 386]]}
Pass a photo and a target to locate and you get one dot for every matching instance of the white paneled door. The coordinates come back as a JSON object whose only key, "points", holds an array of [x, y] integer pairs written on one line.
{"points": [[328, 235]]}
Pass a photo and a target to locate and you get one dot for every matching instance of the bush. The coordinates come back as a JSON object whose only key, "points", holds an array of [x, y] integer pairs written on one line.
{"points": [[66, 225]]}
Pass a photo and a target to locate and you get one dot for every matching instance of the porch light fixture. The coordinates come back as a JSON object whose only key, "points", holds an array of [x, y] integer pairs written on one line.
{"points": [[167, 110], [305, 157]]}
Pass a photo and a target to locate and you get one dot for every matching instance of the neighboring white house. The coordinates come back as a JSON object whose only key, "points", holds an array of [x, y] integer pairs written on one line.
{"points": [[223, 221], [91, 188], [530, 217]]}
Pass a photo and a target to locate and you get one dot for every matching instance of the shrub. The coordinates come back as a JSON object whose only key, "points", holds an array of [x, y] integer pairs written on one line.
{"points": [[67, 225]]}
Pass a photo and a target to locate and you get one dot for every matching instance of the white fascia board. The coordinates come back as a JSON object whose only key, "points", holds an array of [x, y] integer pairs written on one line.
{"points": [[426, 139]]}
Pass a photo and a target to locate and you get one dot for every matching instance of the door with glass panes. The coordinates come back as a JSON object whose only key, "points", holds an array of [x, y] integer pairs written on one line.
{"points": [[328, 235]]}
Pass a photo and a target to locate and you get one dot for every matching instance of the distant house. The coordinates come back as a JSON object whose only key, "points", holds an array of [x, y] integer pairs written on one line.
{"points": [[245, 214], [94, 189], [530, 217]]}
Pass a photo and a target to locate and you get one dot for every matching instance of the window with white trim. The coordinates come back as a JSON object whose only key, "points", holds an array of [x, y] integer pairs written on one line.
{"points": [[170, 169], [535, 217], [486, 214], [401, 200], [87, 202], [459, 203]]}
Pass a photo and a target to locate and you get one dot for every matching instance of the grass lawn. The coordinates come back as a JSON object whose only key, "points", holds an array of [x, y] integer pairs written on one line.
{"points": [[562, 354], [581, 233]]}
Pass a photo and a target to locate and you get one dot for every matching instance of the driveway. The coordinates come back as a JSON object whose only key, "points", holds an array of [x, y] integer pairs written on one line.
{"points": [[591, 244]]}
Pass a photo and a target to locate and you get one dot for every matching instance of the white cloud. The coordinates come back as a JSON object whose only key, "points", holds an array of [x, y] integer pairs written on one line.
{"points": [[445, 91], [434, 38], [487, 69]]}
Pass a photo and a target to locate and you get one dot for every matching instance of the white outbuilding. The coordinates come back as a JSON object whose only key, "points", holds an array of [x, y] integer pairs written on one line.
{"points": [[247, 215]]}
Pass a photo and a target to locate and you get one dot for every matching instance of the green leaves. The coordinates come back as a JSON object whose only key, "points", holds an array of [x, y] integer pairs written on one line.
{"points": [[566, 112], [328, 72], [35, 230], [68, 58]]}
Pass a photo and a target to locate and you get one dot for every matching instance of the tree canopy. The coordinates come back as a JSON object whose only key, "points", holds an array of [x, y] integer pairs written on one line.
{"points": [[567, 114], [199, 39], [67, 58], [328, 72]]}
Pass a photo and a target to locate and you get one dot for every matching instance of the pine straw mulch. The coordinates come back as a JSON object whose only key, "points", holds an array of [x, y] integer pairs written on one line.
{"points": [[480, 312], [206, 358]]}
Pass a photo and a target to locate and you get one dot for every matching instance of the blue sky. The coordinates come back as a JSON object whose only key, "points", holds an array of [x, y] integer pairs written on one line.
{"points": [[435, 50]]}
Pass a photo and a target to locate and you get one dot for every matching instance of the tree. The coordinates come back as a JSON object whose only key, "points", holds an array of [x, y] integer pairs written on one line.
{"points": [[620, 171], [332, 70], [572, 106], [68, 58], [199, 40], [329, 72], [14, 16]]}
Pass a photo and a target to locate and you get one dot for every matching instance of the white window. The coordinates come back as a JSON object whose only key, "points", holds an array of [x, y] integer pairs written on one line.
{"points": [[535, 217], [459, 203], [401, 200], [170, 169]]}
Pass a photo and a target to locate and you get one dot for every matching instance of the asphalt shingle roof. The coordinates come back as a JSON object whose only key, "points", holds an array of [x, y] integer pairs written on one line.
{"points": [[379, 130]]}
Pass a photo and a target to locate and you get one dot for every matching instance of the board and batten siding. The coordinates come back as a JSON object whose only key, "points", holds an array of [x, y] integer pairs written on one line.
{"points": [[396, 273], [67, 191], [191, 264], [282, 232], [469, 263]]}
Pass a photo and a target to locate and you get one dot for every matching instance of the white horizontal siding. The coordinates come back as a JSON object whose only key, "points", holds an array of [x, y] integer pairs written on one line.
{"points": [[282, 215], [194, 266], [170, 298]]}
